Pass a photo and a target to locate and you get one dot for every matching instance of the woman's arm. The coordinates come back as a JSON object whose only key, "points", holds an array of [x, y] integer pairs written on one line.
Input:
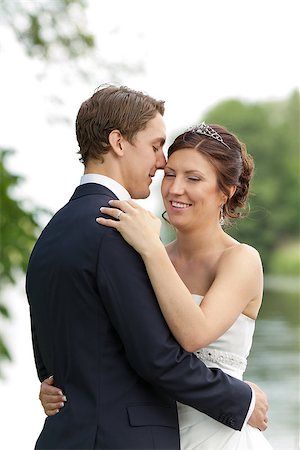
{"points": [[238, 280]]}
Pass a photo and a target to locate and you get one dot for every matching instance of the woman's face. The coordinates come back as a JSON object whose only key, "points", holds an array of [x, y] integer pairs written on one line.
{"points": [[190, 191]]}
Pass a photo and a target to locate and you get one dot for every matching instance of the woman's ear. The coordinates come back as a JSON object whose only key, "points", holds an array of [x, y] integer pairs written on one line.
{"points": [[225, 198], [232, 191], [115, 140]]}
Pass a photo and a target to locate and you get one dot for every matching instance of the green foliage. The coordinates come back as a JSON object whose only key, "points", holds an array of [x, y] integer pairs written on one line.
{"points": [[18, 233], [50, 30], [18, 226], [271, 132], [286, 260]]}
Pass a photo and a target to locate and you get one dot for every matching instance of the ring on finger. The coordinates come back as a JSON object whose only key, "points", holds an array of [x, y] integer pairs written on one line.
{"points": [[119, 214]]}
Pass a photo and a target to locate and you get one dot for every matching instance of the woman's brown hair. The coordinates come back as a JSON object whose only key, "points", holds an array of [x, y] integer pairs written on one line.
{"points": [[233, 165]]}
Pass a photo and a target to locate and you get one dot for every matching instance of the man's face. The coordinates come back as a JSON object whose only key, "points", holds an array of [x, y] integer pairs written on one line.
{"points": [[143, 157]]}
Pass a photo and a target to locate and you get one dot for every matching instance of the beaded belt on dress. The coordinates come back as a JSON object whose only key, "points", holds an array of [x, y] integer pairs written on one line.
{"points": [[219, 357]]}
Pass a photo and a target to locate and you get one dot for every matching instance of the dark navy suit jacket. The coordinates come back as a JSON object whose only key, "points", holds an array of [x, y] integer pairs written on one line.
{"points": [[97, 327]]}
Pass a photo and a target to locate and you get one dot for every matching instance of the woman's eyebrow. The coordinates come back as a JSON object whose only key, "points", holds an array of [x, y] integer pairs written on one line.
{"points": [[186, 171]]}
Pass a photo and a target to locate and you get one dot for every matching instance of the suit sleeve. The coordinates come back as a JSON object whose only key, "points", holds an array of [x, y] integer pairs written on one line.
{"points": [[39, 364], [150, 347]]}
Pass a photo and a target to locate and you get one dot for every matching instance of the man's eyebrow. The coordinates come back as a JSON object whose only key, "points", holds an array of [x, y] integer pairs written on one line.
{"points": [[161, 140]]}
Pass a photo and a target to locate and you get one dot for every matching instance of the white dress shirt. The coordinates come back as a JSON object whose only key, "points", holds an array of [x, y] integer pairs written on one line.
{"points": [[251, 407], [108, 182]]}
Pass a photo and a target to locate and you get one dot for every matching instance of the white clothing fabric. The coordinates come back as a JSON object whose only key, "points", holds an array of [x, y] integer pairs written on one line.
{"points": [[108, 182], [229, 353]]}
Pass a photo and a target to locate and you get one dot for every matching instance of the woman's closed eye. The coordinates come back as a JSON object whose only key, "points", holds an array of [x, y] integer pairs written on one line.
{"points": [[169, 174]]}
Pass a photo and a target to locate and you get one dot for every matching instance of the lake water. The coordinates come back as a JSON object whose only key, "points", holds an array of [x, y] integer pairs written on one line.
{"points": [[274, 365]]}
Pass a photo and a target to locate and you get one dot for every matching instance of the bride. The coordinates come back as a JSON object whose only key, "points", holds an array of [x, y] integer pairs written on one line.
{"points": [[208, 285], [206, 180]]}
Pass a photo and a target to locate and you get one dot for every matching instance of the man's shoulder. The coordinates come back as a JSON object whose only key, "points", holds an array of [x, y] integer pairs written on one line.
{"points": [[92, 189]]}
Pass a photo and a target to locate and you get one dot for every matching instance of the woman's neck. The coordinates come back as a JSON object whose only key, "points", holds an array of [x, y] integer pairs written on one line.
{"points": [[190, 244]]}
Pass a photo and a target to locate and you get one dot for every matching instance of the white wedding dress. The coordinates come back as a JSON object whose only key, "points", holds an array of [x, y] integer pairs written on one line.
{"points": [[229, 353]]}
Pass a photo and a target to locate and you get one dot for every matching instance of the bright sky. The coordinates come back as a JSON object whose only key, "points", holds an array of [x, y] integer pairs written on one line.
{"points": [[194, 54]]}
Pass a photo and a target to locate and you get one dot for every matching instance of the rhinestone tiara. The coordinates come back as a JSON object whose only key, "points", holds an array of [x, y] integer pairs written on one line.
{"points": [[208, 131]]}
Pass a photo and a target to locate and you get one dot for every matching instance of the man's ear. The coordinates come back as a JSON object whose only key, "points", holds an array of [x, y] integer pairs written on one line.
{"points": [[115, 140]]}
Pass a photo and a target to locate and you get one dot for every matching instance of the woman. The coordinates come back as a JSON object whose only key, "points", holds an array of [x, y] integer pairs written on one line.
{"points": [[206, 180]]}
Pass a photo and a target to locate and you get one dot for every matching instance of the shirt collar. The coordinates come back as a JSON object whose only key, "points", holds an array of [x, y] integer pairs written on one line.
{"points": [[108, 182]]}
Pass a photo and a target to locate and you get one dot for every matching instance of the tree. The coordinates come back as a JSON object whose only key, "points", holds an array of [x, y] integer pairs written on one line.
{"points": [[271, 133], [50, 31], [55, 32], [18, 232]]}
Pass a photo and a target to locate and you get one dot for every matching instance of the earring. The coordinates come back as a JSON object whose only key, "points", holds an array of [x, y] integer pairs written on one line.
{"points": [[221, 220]]}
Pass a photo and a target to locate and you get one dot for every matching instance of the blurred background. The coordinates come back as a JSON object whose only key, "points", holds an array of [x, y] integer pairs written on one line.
{"points": [[234, 63]]}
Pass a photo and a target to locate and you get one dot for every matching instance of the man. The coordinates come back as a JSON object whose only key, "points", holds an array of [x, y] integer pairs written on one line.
{"points": [[96, 324]]}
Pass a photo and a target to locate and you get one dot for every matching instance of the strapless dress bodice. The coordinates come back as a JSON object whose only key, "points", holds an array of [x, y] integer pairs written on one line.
{"points": [[230, 351]]}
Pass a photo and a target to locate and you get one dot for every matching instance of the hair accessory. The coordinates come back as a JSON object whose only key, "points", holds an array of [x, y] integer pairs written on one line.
{"points": [[208, 131]]}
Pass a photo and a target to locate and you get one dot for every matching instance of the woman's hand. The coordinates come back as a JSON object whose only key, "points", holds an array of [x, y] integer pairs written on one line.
{"points": [[139, 227], [51, 397]]}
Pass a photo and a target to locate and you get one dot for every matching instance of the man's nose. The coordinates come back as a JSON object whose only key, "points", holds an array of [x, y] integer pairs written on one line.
{"points": [[160, 160]]}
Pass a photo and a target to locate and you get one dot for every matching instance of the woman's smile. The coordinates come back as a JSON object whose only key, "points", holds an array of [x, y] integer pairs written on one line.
{"points": [[179, 205]]}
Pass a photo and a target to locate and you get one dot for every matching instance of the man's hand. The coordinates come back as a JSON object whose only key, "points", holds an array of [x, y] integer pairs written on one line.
{"points": [[51, 397], [259, 418]]}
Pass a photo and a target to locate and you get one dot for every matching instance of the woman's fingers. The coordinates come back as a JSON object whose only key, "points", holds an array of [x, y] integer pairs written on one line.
{"points": [[52, 408], [107, 222], [51, 412], [46, 399], [124, 205], [47, 388], [112, 212], [51, 397], [116, 210], [117, 207]]}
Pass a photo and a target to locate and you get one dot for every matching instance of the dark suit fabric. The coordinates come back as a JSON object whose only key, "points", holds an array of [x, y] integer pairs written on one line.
{"points": [[98, 329]]}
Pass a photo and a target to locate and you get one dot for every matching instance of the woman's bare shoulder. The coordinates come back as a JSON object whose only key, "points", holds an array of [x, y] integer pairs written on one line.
{"points": [[240, 253]]}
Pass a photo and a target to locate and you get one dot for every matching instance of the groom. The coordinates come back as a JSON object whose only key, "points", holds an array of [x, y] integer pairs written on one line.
{"points": [[96, 324]]}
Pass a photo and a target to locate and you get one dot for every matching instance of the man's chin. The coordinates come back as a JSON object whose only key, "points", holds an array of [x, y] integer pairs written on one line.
{"points": [[139, 195]]}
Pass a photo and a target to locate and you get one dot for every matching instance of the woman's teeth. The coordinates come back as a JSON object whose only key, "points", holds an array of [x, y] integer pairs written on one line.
{"points": [[180, 205]]}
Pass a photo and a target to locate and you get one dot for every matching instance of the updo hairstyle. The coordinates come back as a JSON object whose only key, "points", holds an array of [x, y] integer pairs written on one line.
{"points": [[233, 165]]}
